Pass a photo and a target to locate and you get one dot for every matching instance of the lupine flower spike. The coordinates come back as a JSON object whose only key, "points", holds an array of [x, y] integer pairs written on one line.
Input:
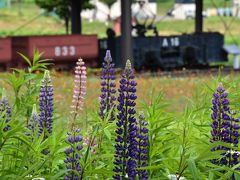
{"points": [[126, 141], [79, 90], [225, 128], [5, 111], [33, 122], [73, 155], [74, 138], [142, 146], [46, 106], [107, 98]]}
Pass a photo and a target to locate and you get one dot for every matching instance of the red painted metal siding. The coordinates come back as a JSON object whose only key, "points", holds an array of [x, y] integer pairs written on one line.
{"points": [[5, 50], [60, 48]]}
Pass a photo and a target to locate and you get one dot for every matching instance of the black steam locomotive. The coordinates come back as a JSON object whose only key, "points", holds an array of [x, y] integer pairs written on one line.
{"points": [[170, 52]]}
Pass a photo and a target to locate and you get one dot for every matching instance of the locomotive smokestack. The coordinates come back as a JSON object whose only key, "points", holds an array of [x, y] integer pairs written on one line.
{"points": [[199, 16], [126, 31]]}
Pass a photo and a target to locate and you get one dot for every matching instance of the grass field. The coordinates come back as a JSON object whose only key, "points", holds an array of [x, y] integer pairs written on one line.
{"points": [[31, 21], [178, 92], [165, 5], [149, 86]]}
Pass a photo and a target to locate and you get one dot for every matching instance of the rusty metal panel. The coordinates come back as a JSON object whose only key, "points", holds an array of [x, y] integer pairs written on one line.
{"points": [[5, 50]]}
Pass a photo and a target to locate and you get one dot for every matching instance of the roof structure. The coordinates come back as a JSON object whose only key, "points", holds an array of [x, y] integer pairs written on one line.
{"points": [[232, 49], [184, 1]]}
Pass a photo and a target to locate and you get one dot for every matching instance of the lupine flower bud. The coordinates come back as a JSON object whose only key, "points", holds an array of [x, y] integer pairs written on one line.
{"points": [[90, 142], [79, 90], [225, 128], [142, 146], [46, 106], [126, 141], [73, 155], [33, 122], [5, 111], [107, 98]]}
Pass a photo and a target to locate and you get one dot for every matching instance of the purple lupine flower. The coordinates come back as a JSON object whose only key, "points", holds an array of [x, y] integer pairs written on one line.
{"points": [[79, 90], [33, 122], [73, 155], [225, 128], [220, 113], [5, 111], [107, 98], [46, 106], [126, 140], [142, 146]]}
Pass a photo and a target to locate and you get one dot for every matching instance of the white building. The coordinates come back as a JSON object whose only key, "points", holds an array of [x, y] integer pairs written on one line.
{"points": [[183, 9], [101, 11]]}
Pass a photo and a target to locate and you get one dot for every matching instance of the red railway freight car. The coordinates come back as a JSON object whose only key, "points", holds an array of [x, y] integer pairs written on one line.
{"points": [[64, 50], [5, 52]]}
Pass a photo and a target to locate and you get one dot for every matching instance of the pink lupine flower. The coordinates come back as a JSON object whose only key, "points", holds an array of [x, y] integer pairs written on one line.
{"points": [[79, 90], [74, 139]]}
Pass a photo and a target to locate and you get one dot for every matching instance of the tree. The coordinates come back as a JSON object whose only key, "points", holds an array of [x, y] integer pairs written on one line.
{"points": [[76, 8], [66, 9]]}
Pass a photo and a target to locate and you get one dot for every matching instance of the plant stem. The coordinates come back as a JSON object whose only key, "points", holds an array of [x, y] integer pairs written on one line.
{"points": [[125, 135], [182, 169]]}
